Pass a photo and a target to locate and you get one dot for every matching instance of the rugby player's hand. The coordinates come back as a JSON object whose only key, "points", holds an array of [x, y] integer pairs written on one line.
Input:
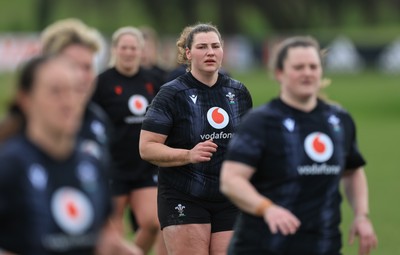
{"points": [[112, 242], [281, 220], [126, 248], [202, 152], [6, 252], [362, 227]]}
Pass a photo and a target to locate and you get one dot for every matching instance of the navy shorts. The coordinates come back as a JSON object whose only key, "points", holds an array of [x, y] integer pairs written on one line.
{"points": [[177, 208], [124, 187]]}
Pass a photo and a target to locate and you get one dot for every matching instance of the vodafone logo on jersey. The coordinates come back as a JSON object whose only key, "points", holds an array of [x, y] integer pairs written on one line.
{"points": [[72, 210], [217, 117], [318, 146], [138, 104]]}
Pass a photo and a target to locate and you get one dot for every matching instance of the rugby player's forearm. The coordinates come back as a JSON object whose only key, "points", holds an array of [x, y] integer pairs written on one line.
{"points": [[165, 156], [356, 188], [237, 187]]}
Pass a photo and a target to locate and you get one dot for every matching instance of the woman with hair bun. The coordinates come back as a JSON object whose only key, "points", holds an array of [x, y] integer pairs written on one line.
{"points": [[185, 133]]}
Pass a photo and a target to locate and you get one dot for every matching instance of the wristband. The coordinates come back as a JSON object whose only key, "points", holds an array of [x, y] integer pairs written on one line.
{"points": [[263, 206]]}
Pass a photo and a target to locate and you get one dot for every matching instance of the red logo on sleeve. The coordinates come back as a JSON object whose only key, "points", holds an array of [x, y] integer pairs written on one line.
{"points": [[150, 88]]}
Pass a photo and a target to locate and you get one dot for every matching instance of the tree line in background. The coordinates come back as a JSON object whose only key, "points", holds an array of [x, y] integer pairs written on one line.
{"points": [[249, 25], [288, 15]]}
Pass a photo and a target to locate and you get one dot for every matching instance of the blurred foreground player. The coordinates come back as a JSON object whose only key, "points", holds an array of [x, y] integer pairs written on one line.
{"points": [[54, 198], [74, 40], [288, 157]]}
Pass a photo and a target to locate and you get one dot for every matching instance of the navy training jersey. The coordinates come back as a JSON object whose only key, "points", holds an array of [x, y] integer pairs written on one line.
{"points": [[299, 160], [125, 100], [190, 112], [49, 206], [96, 134]]}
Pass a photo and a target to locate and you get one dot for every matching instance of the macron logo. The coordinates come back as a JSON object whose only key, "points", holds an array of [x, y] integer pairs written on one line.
{"points": [[194, 98], [289, 124]]}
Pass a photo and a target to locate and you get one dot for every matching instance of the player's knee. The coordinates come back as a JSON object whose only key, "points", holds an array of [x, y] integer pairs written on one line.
{"points": [[150, 224]]}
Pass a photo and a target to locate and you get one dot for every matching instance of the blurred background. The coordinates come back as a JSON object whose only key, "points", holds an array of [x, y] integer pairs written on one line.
{"points": [[359, 33], [362, 62]]}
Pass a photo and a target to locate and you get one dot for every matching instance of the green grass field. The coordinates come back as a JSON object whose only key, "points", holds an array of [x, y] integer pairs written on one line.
{"points": [[373, 99]]}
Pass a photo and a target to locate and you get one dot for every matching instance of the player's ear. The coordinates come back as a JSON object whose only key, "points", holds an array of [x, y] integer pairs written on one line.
{"points": [[278, 74], [188, 54], [22, 100]]}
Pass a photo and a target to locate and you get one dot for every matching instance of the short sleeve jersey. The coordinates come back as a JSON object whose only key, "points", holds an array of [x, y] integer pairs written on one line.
{"points": [[189, 112], [299, 159], [125, 100], [49, 206]]}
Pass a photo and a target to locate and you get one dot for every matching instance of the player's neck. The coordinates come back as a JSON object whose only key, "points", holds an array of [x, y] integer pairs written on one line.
{"points": [[305, 105], [127, 71], [208, 79], [56, 145]]}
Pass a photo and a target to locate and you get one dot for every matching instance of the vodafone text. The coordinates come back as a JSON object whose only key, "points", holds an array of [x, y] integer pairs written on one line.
{"points": [[316, 169], [62, 242], [134, 119], [216, 135]]}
